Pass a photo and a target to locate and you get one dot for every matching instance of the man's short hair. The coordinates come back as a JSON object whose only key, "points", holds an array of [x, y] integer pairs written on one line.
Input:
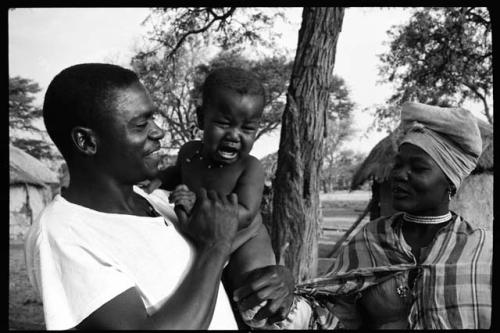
{"points": [[81, 95], [235, 79]]}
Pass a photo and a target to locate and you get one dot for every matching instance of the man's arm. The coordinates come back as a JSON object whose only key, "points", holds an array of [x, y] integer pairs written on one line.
{"points": [[193, 303], [190, 307]]}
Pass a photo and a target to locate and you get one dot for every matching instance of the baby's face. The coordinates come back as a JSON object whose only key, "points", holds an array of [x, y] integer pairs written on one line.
{"points": [[231, 121]]}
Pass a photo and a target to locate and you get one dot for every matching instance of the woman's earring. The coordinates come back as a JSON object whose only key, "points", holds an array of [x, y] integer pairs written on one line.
{"points": [[449, 194]]}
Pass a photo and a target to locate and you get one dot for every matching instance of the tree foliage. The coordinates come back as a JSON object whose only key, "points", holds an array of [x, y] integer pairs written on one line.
{"points": [[171, 85], [228, 27], [442, 56], [341, 164], [21, 108], [24, 134], [175, 65], [339, 128]]}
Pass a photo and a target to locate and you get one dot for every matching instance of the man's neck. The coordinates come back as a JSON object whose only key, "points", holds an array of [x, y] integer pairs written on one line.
{"points": [[101, 193]]}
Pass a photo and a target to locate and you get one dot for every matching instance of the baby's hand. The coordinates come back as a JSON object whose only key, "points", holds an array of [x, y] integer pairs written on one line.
{"points": [[183, 197]]}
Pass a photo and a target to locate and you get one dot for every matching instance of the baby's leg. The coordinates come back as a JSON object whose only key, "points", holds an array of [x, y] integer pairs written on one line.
{"points": [[256, 252], [243, 235]]}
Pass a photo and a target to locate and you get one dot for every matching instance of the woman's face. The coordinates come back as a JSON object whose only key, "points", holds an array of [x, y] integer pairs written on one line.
{"points": [[419, 186]]}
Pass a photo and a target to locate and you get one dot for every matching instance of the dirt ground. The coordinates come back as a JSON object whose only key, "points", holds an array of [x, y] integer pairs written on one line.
{"points": [[25, 307]]}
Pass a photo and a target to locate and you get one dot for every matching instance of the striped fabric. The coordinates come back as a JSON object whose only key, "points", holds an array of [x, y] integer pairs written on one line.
{"points": [[453, 285]]}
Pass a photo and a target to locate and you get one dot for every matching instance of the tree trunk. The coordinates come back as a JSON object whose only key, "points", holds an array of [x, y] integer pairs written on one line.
{"points": [[296, 206]]}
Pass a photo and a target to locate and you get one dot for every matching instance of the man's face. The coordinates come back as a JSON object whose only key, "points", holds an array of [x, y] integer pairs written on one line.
{"points": [[231, 121], [128, 148]]}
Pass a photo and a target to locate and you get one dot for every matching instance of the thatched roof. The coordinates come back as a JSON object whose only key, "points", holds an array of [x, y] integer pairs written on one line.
{"points": [[378, 164], [24, 168]]}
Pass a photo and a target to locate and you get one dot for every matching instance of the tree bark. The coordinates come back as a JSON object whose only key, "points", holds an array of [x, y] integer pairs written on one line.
{"points": [[296, 205]]}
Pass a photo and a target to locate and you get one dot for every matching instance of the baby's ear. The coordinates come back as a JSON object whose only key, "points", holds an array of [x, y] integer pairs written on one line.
{"points": [[199, 116]]}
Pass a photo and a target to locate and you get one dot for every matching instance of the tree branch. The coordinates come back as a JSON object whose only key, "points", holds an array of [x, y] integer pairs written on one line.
{"points": [[216, 18]]}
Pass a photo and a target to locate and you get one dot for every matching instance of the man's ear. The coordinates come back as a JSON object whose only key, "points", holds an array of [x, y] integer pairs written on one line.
{"points": [[84, 139], [199, 116]]}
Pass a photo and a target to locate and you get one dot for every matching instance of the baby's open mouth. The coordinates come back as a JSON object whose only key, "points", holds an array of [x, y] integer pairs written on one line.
{"points": [[228, 152]]}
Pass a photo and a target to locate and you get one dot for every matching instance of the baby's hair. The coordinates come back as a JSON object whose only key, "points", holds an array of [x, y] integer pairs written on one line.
{"points": [[235, 79]]}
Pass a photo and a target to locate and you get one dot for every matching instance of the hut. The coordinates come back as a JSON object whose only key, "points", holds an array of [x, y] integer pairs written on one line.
{"points": [[32, 186], [474, 198]]}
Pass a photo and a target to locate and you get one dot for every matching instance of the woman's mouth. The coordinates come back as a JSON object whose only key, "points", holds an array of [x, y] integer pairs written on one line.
{"points": [[399, 192]]}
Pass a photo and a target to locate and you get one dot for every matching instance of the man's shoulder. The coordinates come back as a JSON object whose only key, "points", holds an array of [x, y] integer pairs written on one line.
{"points": [[50, 223], [61, 217]]}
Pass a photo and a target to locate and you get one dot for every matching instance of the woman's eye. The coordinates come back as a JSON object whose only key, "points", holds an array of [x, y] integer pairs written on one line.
{"points": [[419, 168], [142, 125]]}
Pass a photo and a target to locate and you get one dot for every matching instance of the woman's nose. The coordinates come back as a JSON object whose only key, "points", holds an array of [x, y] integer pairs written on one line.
{"points": [[400, 173]]}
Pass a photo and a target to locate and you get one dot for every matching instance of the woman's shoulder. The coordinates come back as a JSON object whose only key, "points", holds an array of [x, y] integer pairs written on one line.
{"points": [[464, 227]]}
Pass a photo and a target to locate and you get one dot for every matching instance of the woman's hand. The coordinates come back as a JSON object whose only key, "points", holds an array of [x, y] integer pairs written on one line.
{"points": [[269, 286]]}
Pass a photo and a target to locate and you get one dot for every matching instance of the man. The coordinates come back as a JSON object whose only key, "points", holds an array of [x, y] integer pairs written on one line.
{"points": [[106, 255]]}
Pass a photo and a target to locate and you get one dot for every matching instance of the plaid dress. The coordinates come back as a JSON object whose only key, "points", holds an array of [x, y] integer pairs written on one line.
{"points": [[452, 288]]}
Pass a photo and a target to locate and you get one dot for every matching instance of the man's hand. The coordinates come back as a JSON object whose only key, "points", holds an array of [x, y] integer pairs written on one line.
{"points": [[273, 284], [213, 220], [183, 198]]}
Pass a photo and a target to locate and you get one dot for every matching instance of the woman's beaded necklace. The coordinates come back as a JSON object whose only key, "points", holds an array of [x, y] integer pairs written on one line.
{"points": [[427, 219]]}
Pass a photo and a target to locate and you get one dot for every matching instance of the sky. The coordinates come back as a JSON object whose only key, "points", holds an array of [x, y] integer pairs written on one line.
{"points": [[44, 41]]}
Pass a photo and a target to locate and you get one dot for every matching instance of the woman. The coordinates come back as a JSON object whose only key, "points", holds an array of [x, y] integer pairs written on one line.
{"points": [[424, 267]]}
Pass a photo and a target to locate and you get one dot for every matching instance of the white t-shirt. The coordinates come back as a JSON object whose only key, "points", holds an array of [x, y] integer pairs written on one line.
{"points": [[78, 259]]}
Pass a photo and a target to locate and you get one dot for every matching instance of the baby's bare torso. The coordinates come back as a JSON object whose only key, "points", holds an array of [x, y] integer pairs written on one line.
{"points": [[197, 173]]}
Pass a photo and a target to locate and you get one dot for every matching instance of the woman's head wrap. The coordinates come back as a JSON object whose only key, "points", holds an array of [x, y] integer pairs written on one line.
{"points": [[450, 136]]}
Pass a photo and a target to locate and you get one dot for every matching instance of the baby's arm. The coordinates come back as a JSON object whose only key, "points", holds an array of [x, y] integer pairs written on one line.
{"points": [[249, 189], [171, 177], [182, 197]]}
